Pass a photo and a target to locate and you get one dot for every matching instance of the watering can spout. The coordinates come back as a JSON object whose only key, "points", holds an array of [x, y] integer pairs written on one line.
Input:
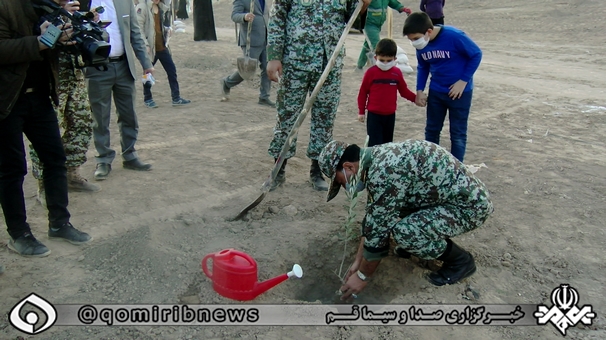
{"points": [[262, 287]]}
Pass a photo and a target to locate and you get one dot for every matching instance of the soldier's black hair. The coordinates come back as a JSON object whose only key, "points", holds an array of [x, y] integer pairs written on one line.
{"points": [[386, 47], [417, 22], [351, 154]]}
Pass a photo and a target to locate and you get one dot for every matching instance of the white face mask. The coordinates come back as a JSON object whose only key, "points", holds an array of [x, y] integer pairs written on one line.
{"points": [[386, 66], [420, 43]]}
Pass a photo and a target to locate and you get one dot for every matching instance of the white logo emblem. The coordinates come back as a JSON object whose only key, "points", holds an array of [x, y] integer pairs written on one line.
{"points": [[31, 318], [564, 313]]}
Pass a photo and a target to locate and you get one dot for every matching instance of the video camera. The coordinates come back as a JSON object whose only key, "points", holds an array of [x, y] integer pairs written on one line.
{"points": [[90, 37]]}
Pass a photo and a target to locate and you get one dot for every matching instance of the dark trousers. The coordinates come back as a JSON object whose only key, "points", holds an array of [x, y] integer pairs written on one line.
{"points": [[33, 114], [437, 21], [458, 114], [171, 72], [380, 128]]}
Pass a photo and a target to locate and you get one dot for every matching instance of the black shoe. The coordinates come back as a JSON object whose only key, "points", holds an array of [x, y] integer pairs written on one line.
{"points": [[315, 177], [458, 264], [28, 246], [103, 170], [70, 234], [280, 177], [136, 164], [266, 102]]}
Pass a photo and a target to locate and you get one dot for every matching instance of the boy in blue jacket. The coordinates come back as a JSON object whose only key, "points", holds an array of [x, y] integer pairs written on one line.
{"points": [[451, 58]]}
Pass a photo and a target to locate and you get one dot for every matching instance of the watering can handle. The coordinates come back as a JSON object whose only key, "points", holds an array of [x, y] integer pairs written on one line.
{"points": [[204, 267]]}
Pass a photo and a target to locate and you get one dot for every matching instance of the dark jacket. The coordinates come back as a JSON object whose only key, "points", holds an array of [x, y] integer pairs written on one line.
{"points": [[258, 32], [18, 47]]}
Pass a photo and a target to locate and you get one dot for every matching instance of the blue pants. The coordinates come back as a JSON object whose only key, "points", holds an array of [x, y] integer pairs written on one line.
{"points": [[458, 113], [34, 116], [171, 72], [380, 128]]}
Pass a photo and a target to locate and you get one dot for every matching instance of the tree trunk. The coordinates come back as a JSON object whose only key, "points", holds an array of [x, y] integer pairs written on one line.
{"points": [[204, 21]]}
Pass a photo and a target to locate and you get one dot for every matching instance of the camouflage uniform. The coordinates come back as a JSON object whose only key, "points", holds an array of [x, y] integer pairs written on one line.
{"points": [[418, 192], [74, 115], [302, 34]]}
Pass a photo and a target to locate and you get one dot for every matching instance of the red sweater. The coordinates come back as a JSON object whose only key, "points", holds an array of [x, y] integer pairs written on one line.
{"points": [[379, 91]]}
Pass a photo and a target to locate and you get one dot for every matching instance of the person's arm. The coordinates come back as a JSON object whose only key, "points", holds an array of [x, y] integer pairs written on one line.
{"points": [[17, 50], [363, 93], [276, 32], [238, 12], [472, 51], [142, 12], [395, 4], [423, 5], [405, 91], [137, 42]]}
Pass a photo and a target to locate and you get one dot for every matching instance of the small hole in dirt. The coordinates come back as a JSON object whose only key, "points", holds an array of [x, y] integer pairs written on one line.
{"points": [[320, 283]]}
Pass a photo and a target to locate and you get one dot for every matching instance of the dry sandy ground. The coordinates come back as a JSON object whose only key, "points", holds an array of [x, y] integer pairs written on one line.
{"points": [[538, 123]]}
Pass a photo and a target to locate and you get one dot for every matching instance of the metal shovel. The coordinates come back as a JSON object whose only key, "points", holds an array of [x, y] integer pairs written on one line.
{"points": [[306, 107], [247, 66]]}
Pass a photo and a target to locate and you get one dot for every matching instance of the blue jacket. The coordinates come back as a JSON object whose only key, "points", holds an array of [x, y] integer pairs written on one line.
{"points": [[451, 56]]}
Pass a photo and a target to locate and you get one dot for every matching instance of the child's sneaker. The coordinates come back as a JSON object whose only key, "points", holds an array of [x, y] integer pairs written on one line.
{"points": [[151, 104], [180, 102]]}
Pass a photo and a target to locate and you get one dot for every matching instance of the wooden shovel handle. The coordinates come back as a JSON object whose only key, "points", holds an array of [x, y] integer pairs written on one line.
{"points": [[250, 23]]}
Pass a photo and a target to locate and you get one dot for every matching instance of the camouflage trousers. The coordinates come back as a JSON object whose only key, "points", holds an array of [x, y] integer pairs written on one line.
{"points": [[423, 233], [74, 119], [295, 86]]}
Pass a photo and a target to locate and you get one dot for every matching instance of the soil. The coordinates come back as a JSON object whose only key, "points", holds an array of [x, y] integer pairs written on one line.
{"points": [[538, 123]]}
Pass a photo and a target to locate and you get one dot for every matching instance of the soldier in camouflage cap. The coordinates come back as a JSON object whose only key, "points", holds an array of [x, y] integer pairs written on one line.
{"points": [[417, 192], [302, 35]]}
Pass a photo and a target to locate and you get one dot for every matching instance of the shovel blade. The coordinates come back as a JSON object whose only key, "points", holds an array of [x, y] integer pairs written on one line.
{"points": [[371, 58], [247, 67]]}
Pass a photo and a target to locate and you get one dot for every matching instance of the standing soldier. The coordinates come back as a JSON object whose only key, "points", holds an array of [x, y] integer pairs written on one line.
{"points": [[375, 18], [417, 192], [302, 36], [75, 120]]}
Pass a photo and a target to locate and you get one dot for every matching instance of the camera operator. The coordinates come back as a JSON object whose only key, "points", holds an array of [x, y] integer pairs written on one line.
{"points": [[28, 77], [75, 119], [127, 45]]}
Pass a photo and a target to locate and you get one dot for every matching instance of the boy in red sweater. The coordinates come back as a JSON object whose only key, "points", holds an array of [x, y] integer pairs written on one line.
{"points": [[379, 94]]}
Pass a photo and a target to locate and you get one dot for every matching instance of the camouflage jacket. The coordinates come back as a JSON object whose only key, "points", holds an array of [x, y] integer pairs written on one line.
{"points": [[304, 33], [404, 177]]}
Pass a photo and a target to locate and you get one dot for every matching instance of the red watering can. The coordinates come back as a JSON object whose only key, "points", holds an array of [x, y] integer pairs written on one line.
{"points": [[234, 275]]}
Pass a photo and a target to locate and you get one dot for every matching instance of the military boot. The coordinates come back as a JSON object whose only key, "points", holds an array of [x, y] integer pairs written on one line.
{"points": [[315, 177], [280, 177], [75, 182], [41, 194], [458, 264]]}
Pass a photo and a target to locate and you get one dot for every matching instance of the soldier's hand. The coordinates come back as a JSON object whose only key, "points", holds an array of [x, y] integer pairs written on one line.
{"points": [[352, 269], [274, 70], [352, 286]]}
